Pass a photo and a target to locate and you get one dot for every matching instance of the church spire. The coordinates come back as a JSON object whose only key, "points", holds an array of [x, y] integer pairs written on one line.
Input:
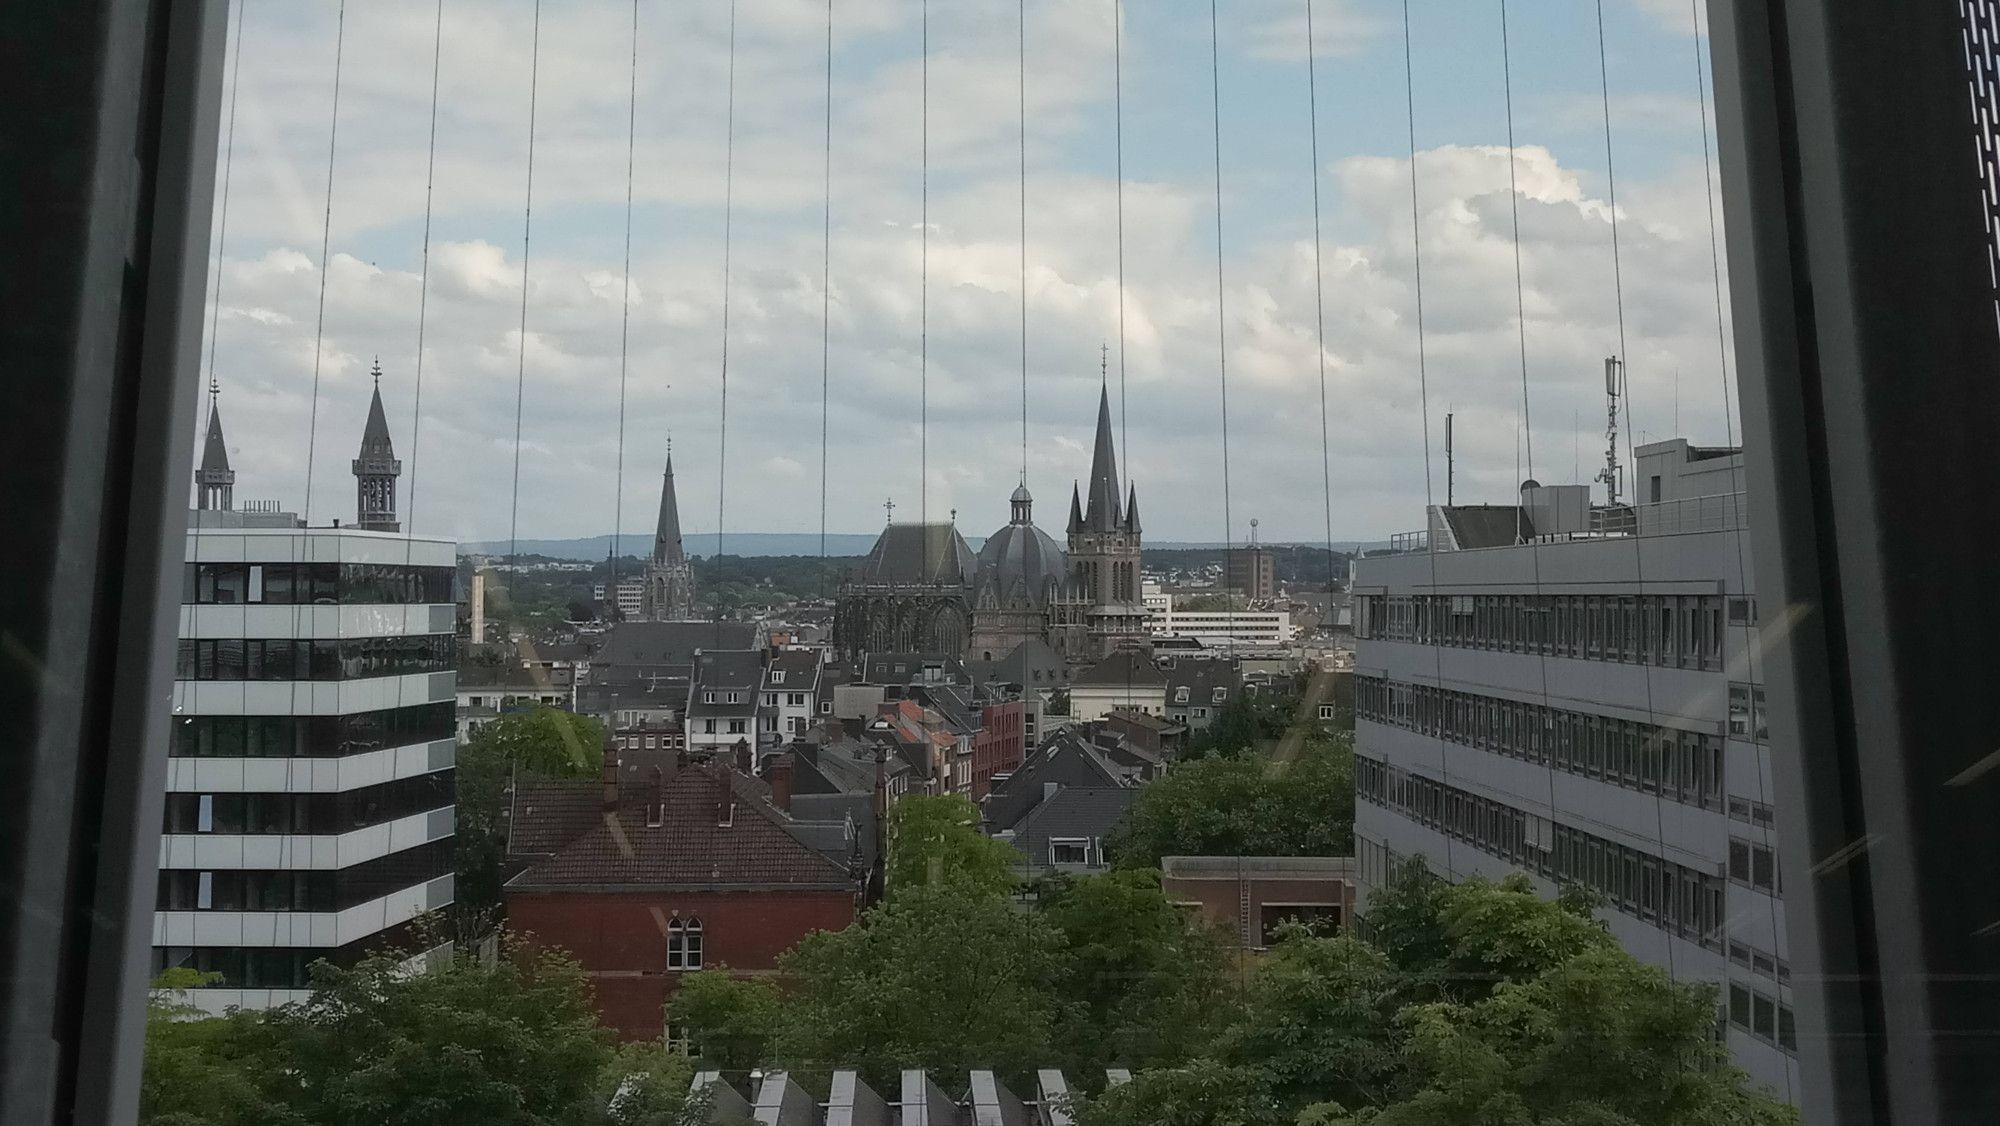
{"points": [[1101, 513], [376, 469], [667, 532], [669, 593], [215, 481]]}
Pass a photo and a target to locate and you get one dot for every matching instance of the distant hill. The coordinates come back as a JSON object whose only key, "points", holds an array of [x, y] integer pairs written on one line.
{"points": [[759, 544]]}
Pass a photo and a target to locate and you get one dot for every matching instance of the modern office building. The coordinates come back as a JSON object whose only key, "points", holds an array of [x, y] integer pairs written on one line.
{"points": [[310, 785], [1167, 617], [1573, 691]]}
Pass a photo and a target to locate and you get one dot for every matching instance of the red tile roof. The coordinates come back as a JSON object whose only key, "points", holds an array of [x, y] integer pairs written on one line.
{"points": [[690, 848]]}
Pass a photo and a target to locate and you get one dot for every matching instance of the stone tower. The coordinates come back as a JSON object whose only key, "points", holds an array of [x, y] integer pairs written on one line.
{"points": [[669, 576], [376, 470], [215, 482], [1104, 540]]}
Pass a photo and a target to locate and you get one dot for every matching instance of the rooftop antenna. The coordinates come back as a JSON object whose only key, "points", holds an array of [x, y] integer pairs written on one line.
{"points": [[1613, 371], [1447, 460]]}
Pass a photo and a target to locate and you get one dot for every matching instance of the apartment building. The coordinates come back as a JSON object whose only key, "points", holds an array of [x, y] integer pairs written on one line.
{"points": [[310, 792], [1573, 691]]}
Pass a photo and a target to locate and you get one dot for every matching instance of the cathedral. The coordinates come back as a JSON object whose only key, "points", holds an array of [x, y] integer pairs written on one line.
{"points": [[922, 589]]}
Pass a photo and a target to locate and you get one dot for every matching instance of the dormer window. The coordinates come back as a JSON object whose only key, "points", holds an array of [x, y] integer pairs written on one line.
{"points": [[725, 815], [708, 697], [777, 676]]}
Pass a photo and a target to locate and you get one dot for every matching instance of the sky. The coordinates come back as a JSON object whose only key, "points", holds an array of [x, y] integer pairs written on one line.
{"points": [[922, 380]]}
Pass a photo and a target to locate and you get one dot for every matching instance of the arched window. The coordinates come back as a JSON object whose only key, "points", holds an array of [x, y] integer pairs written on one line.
{"points": [[684, 944]]}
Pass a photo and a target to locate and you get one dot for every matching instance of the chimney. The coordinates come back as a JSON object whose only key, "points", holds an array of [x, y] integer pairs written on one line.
{"points": [[610, 774], [778, 772]]}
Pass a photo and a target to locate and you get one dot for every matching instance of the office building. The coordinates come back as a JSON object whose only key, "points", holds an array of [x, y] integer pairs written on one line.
{"points": [[310, 786], [1573, 691], [1168, 616], [1252, 572]]}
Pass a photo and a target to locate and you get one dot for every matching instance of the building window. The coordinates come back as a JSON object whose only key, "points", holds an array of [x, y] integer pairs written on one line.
{"points": [[1181, 695], [708, 727], [1074, 850], [1739, 710], [736, 727], [684, 944], [826, 707], [1201, 713], [676, 1039], [708, 697], [777, 676], [1326, 712]]}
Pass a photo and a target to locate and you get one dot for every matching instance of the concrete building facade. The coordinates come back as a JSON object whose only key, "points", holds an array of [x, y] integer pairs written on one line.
{"points": [[1574, 692]]}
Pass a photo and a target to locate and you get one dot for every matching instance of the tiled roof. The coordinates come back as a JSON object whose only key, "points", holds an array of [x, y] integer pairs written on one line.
{"points": [[1078, 811], [729, 668], [547, 814], [691, 847], [1121, 670], [670, 643]]}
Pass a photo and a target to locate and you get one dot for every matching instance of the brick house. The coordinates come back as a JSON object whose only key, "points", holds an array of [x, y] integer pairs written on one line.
{"points": [[1247, 898], [663, 868]]}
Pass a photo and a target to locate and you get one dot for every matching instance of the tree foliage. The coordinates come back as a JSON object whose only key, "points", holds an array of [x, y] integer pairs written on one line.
{"points": [[935, 842], [1152, 982], [516, 1042], [730, 1022], [546, 742], [938, 978], [1241, 805]]}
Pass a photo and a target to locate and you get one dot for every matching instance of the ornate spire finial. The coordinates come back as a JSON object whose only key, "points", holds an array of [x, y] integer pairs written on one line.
{"points": [[889, 507], [377, 371], [1104, 363]]}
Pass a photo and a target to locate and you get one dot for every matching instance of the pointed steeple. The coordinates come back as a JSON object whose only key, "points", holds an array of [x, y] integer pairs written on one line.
{"points": [[214, 481], [1101, 513], [1075, 509], [667, 533], [376, 469], [1132, 510]]}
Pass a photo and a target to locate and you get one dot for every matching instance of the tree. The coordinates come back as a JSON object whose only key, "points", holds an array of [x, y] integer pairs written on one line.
{"points": [[936, 842], [546, 742], [730, 1022], [1238, 806], [645, 1084], [514, 1043], [1598, 1040], [1203, 1093], [1151, 980], [938, 977], [202, 1070], [1318, 1021]]}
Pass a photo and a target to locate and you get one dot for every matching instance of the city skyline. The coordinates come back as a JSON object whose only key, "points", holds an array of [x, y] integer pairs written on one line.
{"points": [[461, 459]]}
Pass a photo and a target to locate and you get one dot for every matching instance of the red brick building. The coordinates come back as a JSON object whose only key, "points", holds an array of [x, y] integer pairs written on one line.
{"points": [[662, 869], [1249, 897], [1000, 745]]}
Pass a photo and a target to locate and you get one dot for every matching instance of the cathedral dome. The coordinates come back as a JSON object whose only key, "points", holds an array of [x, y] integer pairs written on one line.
{"points": [[1021, 553]]}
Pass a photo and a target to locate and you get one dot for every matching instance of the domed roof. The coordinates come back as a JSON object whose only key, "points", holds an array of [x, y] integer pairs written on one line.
{"points": [[1023, 553], [1021, 495]]}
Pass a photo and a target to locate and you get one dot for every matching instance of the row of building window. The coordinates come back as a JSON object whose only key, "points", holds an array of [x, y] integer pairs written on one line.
{"points": [[310, 814], [302, 736], [282, 967], [1753, 812], [1667, 895], [1754, 866], [1763, 1016], [309, 584], [1760, 962], [348, 658], [1684, 766], [1671, 631], [188, 889]]}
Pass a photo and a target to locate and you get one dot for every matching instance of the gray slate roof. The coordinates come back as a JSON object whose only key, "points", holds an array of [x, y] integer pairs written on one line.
{"points": [[670, 643], [919, 554], [1076, 812], [1120, 670]]}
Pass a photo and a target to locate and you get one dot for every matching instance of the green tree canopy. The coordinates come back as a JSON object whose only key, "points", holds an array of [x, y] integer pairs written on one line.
{"points": [[516, 1043], [546, 742], [730, 1022], [935, 842], [1152, 981], [938, 977], [1242, 806], [1203, 1093]]}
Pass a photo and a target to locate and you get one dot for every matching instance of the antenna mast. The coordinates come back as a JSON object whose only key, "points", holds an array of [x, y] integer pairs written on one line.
{"points": [[1447, 461], [1614, 369]]}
